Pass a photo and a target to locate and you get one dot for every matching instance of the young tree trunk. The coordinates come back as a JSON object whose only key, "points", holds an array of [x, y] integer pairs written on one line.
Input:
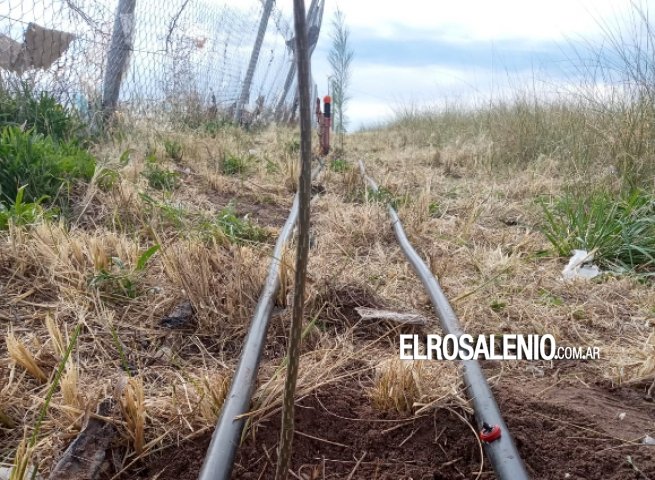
{"points": [[293, 353]]}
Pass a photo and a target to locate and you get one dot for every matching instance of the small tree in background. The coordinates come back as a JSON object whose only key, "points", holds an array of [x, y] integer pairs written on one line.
{"points": [[340, 58]]}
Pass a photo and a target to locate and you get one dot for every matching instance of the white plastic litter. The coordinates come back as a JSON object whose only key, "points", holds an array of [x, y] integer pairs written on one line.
{"points": [[648, 440], [580, 266], [5, 473]]}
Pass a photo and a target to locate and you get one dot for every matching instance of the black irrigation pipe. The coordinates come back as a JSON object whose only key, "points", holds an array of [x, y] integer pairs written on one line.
{"points": [[227, 435], [502, 453]]}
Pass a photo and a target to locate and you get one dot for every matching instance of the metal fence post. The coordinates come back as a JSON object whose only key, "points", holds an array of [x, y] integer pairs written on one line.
{"points": [[314, 20], [292, 68], [118, 55], [254, 57]]}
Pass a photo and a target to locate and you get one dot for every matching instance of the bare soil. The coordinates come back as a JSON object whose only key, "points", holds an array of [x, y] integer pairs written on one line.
{"points": [[563, 429]]}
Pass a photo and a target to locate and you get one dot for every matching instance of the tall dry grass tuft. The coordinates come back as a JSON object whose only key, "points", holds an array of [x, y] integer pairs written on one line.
{"points": [[58, 344], [286, 273], [213, 391], [130, 396], [220, 281], [70, 386], [397, 386], [291, 168], [22, 460], [21, 355]]}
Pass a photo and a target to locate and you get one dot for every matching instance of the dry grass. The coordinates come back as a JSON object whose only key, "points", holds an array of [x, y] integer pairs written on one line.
{"points": [[21, 355], [397, 386], [479, 233], [131, 398]]}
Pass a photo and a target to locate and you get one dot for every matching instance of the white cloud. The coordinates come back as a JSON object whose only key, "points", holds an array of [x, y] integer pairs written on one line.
{"points": [[378, 89], [469, 20]]}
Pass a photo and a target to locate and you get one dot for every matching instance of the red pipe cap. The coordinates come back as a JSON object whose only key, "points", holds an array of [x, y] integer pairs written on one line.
{"points": [[490, 434], [327, 99]]}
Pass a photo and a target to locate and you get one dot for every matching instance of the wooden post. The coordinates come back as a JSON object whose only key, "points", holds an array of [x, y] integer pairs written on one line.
{"points": [[118, 55]]}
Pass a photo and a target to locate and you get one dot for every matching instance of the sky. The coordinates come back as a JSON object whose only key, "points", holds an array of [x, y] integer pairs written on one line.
{"points": [[414, 53]]}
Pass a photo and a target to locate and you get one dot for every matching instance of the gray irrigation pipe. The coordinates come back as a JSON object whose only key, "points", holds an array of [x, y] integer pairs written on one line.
{"points": [[502, 453], [227, 434]]}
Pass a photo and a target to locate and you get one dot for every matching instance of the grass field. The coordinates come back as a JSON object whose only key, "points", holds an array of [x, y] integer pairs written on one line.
{"points": [[126, 303]]}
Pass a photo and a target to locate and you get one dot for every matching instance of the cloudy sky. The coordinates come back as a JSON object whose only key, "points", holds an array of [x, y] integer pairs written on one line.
{"points": [[418, 52]]}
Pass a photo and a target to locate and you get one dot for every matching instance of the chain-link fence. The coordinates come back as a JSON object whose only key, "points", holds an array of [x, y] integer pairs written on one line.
{"points": [[186, 58]]}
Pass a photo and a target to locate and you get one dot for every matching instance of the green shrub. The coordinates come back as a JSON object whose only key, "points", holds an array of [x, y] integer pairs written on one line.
{"points": [[620, 228], [39, 112], [173, 150], [234, 165], [339, 165], [161, 178], [44, 167]]}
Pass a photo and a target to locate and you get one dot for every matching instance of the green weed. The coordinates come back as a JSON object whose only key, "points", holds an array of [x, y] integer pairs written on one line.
{"points": [[339, 165], [38, 112], [292, 146], [272, 167], [20, 213], [173, 215], [173, 150], [160, 178], [619, 228], [234, 165], [385, 196], [107, 178], [43, 166], [434, 209], [235, 229], [120, 280]]}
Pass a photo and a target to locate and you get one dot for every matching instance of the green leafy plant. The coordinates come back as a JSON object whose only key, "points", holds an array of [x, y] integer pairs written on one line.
{"points": [[292, 146], [434, 209], [339, 165], [107, 178], [272, 167], [385, 196], [43, 166], [121, 281], [173, 150], [234, 228], [39, 112], [171, 214], [498, 305], [160, 178], [234, 165], [20, 213], [620, 229]]}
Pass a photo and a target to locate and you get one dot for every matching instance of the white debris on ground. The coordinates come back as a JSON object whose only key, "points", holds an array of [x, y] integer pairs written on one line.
{"points": [[580, 266], [5, 473], [397, 317]]}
